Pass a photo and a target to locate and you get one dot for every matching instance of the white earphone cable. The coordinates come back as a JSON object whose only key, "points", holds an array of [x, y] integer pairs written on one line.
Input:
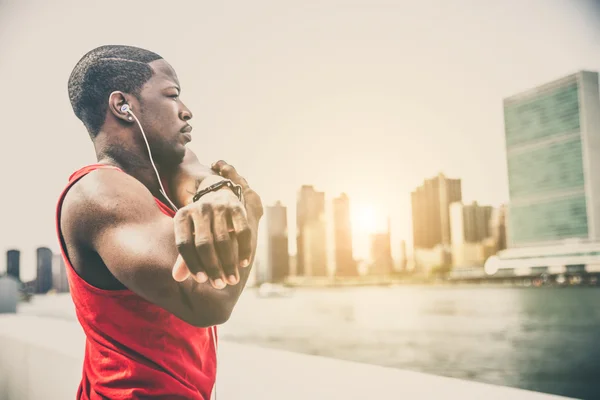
{"points": [[162, 189], [214, 335]]}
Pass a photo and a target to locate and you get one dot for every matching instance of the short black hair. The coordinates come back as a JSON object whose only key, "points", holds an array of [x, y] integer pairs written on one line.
{"points": [[102, 71]]}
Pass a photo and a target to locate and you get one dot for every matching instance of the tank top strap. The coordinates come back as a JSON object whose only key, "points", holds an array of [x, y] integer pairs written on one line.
{"points": [[81, 172]]}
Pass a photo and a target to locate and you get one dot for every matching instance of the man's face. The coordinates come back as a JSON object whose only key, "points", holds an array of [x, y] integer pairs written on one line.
{"points": [[163, 115]]}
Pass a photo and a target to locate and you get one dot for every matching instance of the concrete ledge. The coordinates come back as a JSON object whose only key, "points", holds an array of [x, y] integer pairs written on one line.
{"points": [[41, 358]]}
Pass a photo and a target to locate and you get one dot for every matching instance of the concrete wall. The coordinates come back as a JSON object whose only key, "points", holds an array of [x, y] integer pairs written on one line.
{"points": [[41, 358]]}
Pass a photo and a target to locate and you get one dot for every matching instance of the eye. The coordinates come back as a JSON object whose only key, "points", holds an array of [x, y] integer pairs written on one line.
{"points": [[174, 96]]}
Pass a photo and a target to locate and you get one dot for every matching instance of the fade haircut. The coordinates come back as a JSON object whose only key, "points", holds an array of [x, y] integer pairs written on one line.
{"points": [[102, 71]]}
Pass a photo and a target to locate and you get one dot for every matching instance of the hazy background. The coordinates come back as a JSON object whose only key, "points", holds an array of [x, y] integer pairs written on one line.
{"points": [[364, 97]]}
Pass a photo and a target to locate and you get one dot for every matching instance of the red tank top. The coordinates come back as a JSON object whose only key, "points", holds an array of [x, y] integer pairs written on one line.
{"points": [[135, 349]]}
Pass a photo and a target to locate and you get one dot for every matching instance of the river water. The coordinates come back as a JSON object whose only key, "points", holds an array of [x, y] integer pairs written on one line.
{"points": [[542, 339]]}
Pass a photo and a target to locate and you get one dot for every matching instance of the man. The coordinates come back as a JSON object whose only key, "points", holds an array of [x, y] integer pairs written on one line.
{"points": [[149, 283]]}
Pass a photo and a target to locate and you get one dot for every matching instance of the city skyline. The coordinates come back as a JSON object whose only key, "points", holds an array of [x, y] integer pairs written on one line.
{"points": [[551, 133], [354, 116], [452, 234], [331, 255]]}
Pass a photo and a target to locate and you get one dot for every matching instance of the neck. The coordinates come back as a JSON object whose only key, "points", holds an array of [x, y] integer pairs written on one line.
{"points": [[131, 158]]}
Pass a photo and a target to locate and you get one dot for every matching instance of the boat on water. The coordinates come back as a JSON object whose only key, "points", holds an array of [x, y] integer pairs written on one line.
{"points": [[268, 289]]}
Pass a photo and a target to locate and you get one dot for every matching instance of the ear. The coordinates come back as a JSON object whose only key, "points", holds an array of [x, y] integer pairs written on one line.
{"points": [[116, 100]]}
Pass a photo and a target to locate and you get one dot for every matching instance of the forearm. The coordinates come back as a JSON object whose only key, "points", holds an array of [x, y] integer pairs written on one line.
{"points": [[188, 176], [193, 176], [214, 306]]}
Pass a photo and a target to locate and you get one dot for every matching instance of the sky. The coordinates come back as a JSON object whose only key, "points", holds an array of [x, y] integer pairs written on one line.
{"points": [[363, 97]]}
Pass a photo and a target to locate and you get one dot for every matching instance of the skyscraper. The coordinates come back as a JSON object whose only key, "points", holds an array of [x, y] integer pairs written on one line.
{"points": [[9, 294], [403, 256], [13, 263], [553, 156], [278, 259], [431, 220], [311, 237], [498, 225], [59, 274], [381, 253], [344, 260], [430, 211], [475, 221], [44, 270], [470, 227]]}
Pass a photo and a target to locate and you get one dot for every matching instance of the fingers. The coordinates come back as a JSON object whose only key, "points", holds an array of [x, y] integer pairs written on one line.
{"points": [[251, 199], [180, 270], [214, 236], [205, 246], [229, 172], [223, 243], [194, 241], [184, 239], [243, 234], [234, 251], [238, 213]]}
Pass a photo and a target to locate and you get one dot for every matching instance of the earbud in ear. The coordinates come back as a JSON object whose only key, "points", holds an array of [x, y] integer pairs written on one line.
{"points": [[125, 108]]}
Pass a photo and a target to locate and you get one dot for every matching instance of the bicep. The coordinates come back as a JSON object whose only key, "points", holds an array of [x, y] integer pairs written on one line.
{"points": [[136, 242], [141, 256], [138, 254]]}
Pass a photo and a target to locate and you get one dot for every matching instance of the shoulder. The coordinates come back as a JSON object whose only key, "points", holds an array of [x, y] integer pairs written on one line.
{"points": [[105, 197]]}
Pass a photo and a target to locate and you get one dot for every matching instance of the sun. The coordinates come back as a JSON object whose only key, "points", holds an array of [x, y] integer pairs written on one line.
{"points": [[364, 219]]}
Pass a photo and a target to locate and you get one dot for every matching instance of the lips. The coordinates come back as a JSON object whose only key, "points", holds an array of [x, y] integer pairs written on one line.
{"points": [[186, 133], [186, 129]]}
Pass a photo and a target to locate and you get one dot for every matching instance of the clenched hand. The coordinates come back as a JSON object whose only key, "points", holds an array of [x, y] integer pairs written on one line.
{"points": [[213, 235]]}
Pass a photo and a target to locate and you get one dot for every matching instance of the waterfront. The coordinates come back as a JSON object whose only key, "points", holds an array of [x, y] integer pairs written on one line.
{"points": [[541, 339]]}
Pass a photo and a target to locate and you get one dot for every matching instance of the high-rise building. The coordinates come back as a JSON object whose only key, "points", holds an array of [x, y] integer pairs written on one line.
{"points": [[403, 256], [553, 156], [344, 259], [44, 270], [59, 274], [381, 253], [9, 294], [278, 259], [430, 211], [311, 236], [475, 221], [470, 227], [498, 223], [431, 220], [13, 264]]}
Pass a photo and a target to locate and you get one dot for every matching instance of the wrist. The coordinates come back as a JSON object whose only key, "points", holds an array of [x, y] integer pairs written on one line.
{"points": [[183, 182], [218, 185], [199, 184], [208, 181]]}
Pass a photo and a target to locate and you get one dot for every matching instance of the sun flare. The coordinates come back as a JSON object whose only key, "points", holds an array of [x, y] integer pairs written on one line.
{"points": [[364, 219]]}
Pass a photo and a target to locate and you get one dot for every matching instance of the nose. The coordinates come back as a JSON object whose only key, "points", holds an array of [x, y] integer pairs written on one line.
{"points": [[185, 113]]}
